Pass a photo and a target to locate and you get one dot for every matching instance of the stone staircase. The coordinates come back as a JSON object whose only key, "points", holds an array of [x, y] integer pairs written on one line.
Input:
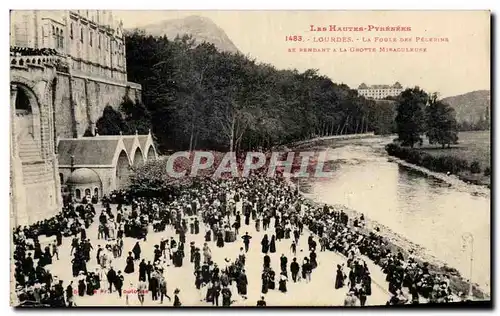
{"points": [[37, 172], [29, 150], [35, 169]]}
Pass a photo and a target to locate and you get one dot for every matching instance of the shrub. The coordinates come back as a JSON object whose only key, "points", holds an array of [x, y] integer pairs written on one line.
{"points": [[439, 164], [475, 167], [427, 161]]}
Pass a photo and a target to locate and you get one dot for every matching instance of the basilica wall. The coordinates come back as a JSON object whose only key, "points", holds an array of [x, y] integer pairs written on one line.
{"points": [[90, 96]]}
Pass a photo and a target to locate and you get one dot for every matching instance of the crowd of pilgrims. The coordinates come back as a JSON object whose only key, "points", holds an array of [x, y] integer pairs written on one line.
{"points": [[270, 204]]}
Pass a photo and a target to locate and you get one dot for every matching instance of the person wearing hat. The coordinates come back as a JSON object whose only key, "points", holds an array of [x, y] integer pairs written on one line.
{"points": [[177, 301], [163, 247], [119, 283], [192, 251], [111, 276], [246, 241]]}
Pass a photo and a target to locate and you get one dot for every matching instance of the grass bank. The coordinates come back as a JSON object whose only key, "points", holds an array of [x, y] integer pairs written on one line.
{"points": [[445, 160]]}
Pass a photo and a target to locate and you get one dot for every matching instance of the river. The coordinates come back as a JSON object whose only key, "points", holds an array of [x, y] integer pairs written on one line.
{"points": [[424, 210]]}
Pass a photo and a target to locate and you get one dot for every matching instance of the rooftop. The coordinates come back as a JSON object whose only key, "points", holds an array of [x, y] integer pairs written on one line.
{"points": [[397, 85]]}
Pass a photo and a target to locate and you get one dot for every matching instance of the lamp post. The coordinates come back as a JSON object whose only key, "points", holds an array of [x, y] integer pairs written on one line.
{"points": [[468, 238]]}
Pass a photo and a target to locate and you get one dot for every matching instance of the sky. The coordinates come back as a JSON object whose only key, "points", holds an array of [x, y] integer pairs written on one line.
{"points": [[458, 64]]}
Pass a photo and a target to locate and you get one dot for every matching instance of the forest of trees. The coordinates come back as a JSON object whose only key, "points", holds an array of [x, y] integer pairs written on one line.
{"points": [[195, 97]]}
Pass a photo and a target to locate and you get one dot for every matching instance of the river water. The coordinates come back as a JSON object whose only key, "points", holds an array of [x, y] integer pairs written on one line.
{"points": [[424, 210]]}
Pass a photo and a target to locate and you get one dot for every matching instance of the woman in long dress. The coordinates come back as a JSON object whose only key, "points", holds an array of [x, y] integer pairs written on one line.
{"points": [[265, 244], [265, 281], [220, 239], [282, 283], [339, 279], [129, 268], [177, 301], [272, 245], [242, 283], [272, 279], [137, 251]]}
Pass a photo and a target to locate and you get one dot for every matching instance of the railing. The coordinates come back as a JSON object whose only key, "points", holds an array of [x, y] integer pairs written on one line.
{"points": [[26, 56], [34, 60], [24, 61]]}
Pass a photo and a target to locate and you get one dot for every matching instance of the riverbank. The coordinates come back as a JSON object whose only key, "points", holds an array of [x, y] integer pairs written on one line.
{"points": [[394, 240], [397, 243], [470, 168], [451, 179]]}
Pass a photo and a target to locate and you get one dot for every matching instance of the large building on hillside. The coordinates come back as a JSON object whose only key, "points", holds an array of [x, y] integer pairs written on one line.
{"points": [[65, 68], [380, 91]]}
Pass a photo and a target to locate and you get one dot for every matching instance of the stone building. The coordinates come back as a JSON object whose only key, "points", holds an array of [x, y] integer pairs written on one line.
{"points": [[89, 51], [65, 68], [380, 91], [93, 166]]}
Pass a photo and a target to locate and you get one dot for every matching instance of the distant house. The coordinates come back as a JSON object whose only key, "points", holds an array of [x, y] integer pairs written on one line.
{"points": [[96, 166], [380, 91]]}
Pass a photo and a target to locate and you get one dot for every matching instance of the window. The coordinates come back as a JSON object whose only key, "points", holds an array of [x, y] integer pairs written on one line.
{"points": [[81, 34], [91, 34], [55, 36], [61, 37], [71, 30], [99, 44]]}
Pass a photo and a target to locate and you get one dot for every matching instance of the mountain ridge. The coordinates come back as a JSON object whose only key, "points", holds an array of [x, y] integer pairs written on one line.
{"points": [[202, 29], [472, 106]]}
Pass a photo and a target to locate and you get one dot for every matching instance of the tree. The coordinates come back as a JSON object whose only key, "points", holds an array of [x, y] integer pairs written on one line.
{"points": [[199, 97], [440, 122], [137, 117], [410, 118], [111, 122]]}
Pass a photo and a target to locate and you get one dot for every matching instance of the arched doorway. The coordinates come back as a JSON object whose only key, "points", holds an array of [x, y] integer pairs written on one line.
{"points": [[27, 123], [96, 193], [138, 159], [122, 171], [151, 153], [78, 194]]}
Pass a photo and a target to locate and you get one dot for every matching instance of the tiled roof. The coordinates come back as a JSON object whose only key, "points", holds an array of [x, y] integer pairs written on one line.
{"points": [[142, 142], [128, 142], [92, 151]]}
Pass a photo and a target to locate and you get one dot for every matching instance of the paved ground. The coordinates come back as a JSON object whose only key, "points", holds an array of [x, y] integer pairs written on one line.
{"points": [[319, 292]]}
